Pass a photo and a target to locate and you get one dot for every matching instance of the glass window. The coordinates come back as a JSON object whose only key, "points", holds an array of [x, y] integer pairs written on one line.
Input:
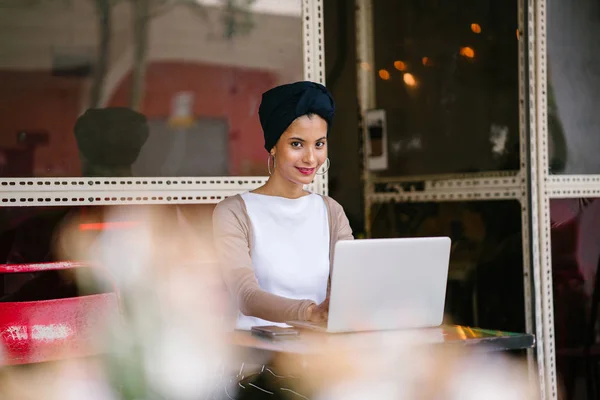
{"points": [[31, 235], [485, 279], [575, 229], [573, 86], [195, 72], [447, 78]]}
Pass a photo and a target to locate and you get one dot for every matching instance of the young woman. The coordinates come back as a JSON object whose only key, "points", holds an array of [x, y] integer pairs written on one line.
{"points": [[275, 244]]}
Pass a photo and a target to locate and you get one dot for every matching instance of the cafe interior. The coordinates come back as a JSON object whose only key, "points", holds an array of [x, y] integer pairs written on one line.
{"points": [[449, 122]]}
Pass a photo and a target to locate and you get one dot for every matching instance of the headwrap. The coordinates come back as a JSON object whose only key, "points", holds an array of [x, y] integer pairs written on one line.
{"points": [[281, 105], [111, 136]]}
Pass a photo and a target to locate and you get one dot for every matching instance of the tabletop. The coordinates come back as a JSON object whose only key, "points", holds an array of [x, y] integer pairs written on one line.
{"points": [[451, 335]]}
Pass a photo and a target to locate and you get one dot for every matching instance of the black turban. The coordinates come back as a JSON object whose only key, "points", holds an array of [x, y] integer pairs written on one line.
{"points": [[111, 136], [281, 105]]}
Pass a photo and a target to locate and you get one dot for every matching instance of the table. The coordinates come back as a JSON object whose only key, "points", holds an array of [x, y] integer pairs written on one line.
{"points": [[388, 361], [452, 335]]}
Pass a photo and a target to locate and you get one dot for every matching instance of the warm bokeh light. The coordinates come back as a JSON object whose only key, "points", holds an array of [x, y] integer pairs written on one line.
{"points": [[476, 28], [518, 35], [467, 52], [400, 65], [365, 66], [384, 74], [103, 226], [426, 61], [409, 79]]}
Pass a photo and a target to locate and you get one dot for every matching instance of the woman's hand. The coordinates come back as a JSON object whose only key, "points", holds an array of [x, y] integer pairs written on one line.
{"points": [[318, 313]]}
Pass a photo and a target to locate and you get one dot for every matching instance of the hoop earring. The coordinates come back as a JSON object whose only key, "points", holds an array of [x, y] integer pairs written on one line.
{"points": [[328, 165], [269, 163]]}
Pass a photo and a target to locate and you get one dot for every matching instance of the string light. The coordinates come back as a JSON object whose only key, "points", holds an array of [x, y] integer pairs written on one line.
{"points": [[384, 74], [400, 65], [409, 79], [467, 52], [476, 28]]}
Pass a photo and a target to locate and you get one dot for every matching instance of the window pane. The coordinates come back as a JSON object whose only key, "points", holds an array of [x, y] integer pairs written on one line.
{"points": [[485, 280], [49, 234], [575, 229], [573, 86], [447, 78], [196, 71]]}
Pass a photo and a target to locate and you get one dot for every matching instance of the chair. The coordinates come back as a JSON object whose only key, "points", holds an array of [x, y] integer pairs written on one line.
{"points": [[51, 330]]}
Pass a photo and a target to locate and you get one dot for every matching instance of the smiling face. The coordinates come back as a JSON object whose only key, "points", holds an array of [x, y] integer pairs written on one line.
{"points": [[301, 150]]}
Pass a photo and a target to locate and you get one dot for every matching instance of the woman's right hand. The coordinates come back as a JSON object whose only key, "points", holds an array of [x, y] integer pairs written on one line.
{"points": [[318, 313]]}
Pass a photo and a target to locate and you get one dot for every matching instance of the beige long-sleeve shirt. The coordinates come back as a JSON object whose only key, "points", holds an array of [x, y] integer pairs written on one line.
{"points": [[233, 243]]}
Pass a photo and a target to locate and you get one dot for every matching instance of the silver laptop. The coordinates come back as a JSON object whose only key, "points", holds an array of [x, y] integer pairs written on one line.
{"points": [[386, 284]]}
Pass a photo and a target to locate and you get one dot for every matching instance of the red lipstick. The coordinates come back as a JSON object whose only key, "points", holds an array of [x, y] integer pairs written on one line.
{"points": [[306, 171]]}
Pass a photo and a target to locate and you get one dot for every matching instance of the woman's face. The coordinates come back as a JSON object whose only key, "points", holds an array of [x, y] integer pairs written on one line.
{"points": [[301, 150]]}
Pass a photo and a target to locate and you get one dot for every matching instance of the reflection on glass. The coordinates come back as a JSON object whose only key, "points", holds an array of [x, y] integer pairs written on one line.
{"points": [[48, 234], [195, 69], [485, 282], [450, 86], [573, 86], [575, 229]]}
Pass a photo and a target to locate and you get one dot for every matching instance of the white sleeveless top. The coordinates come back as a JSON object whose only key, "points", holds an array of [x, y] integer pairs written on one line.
{"points": [[290, 250]]}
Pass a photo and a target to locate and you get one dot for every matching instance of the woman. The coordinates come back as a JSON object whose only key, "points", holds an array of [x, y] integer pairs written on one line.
{"points": [[275, 244]]}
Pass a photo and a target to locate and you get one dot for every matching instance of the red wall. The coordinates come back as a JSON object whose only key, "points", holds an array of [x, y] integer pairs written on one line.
{"points": [[223, 92], [38, 101]]}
